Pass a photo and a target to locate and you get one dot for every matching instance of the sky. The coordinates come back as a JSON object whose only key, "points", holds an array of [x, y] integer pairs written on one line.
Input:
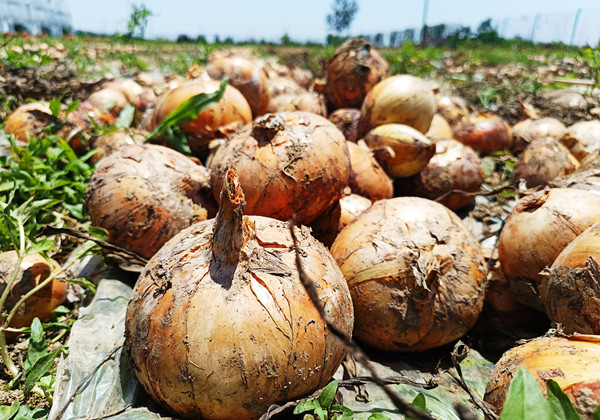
{"points": [[305, 20]]}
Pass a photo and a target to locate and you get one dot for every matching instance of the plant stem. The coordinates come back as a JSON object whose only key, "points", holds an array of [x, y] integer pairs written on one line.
{"points": [[14, 371]]}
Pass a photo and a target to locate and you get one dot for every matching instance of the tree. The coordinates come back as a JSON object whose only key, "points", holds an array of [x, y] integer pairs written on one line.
{"points": [[342, 14], [138, 19]]}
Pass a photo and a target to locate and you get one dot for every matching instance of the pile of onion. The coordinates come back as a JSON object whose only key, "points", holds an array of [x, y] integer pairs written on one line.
{"points": [[217, 121], [352, 71], [416, 274], [288, 163], [34, 270], [145, 194], [540, 226], [219, 325], [573, 362]]}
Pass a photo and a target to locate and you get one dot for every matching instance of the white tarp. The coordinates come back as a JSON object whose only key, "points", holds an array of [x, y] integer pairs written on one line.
{"points": [[36, 16]]}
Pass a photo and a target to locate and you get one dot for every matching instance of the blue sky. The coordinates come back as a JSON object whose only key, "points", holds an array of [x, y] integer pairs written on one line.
{"points": [[305, 20]]}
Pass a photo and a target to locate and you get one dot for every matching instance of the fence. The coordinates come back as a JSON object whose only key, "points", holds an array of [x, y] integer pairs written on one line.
{"points": [[35, 16], [579, 27]]}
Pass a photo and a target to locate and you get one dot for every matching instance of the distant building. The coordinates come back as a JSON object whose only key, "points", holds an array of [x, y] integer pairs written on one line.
{"points": [[52, 17]]}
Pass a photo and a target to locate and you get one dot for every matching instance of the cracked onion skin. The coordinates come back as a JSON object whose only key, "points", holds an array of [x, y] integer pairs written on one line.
{"points": [[417, 276], [288, 163], [145, 194], [540, 226], [573, 362], [219, 325]]}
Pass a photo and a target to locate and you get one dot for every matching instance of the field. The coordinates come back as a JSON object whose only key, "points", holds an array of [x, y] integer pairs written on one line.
{"points": [[43, 184]]}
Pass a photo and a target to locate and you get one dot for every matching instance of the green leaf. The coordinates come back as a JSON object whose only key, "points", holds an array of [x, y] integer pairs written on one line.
{"points": [[419, 402], [328, 394], [98, 233], [39, 369], [72, 107], [7, 412], [125, 117], [561, 404], [341, 412], [55, 107], [188, 110], [524, 399], [596, 415], [319, 411], [37, 345], [378, 416], [304, 406]]}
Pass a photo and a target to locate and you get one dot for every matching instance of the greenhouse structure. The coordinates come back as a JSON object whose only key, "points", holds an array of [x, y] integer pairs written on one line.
{"points": [[52, 17]]}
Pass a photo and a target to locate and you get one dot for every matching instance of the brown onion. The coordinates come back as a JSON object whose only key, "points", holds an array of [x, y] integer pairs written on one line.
{"points": [[346, 120], [107, 144], [484, 132], [247, 76], [34, 270], [283, 86], [571, 291], [31, 120], [303, 77], [145, 194], [452, 108], [524, 132], [219, 325], [540, 226], [402, 150], [109, 100], [582, 138], [416, 274], [449, 177], [217, 121], [327, 227], [288, 163], [573, 362], [307, 101], [352, 71], [367, 177], [543, 160], [401, 99]]}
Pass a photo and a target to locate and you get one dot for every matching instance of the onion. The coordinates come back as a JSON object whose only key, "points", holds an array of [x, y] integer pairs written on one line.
{"points": [[454, 170], [219, 325], [145, 194], [452, 108], [402, 150], [33, 271], [416, 274], [401, 99], [346, 120], [30, 120], [571, 292], [246, 76], [327, 227], [439, 128], [582, 138], [352, 71], [109, 100], [573, 362], [367, 177], [306, 101], [543, 160], [540, 226], [283, 86], [288, 163], [217, 121], [107, 144], [484, 132], [524, 132], [303, 77]]}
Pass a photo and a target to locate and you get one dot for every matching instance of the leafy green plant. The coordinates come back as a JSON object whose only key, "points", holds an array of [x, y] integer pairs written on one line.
{"points": [[322, 407], [524, 400], [16, 411], [591, 56], [138, 19]]}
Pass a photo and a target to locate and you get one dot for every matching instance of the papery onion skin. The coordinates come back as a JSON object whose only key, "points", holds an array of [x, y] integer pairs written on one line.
{"points": [[367, 177], [439, 128], [582, 138], [401, 150], [352, 71], [540, 226], [288, 163], [573, 362], [571, 291], [484, 132], [145, 194], [416, 274], [401, 99], [34, 270], [220, 326]]}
